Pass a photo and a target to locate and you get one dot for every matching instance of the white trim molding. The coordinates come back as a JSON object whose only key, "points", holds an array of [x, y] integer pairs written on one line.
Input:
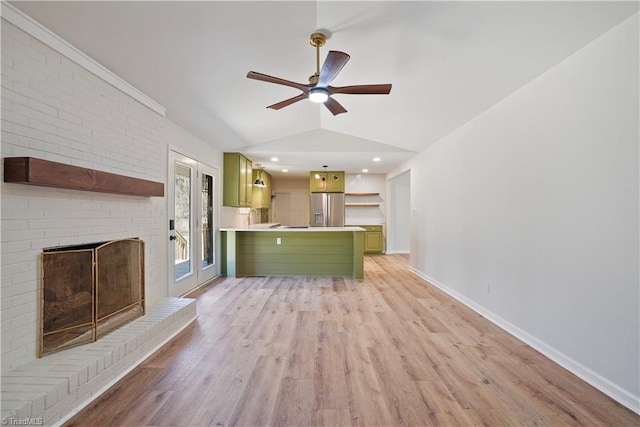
{"points": [[46, 36], [604, 385]]}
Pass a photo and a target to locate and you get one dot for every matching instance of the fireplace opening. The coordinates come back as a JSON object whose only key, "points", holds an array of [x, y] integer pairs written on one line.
{"points": [[89, 290]]}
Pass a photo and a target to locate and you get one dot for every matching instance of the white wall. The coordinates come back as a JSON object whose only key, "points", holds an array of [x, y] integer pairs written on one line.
{"points": [[365, 183], [539, 198], [56, 110]]}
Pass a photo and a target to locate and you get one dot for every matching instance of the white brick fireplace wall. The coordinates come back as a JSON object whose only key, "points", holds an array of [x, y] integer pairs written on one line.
{"points": [[55, 109]]}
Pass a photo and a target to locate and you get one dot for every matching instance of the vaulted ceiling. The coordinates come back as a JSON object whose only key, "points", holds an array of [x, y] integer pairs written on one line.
{"points": [[448, 62]]}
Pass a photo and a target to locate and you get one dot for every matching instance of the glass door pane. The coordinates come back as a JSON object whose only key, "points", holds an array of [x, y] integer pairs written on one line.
{"points": [[182, 215], [207, 219]]}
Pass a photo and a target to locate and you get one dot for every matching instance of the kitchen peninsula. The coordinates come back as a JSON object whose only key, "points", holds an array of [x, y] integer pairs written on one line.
{"points": [[274, 250]]}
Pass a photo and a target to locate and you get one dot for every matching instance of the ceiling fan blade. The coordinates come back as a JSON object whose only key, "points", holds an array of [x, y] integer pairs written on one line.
{"points": [[334, 106], [286, 102], [381, 89], [277, 80], [331, 67]]}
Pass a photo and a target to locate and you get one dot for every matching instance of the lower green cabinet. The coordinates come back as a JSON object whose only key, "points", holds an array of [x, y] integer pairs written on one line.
{"points": [[373, 239]]}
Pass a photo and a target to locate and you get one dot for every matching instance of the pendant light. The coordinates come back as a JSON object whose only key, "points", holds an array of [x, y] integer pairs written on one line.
{"points": [[259, 182]]}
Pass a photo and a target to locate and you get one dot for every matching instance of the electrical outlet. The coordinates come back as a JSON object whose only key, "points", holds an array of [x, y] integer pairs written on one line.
{"points": [[278, 240]]}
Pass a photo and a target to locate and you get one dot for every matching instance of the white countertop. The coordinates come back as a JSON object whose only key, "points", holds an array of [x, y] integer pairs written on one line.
{"points": [[260, 226], [277, 227]]}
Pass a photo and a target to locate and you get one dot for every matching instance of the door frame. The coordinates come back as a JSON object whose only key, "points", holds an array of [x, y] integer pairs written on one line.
{"points": [[198, 276]]}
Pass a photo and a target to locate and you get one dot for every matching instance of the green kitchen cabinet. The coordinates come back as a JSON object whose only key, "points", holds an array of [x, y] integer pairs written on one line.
{"points": [[326, 182], [237, 181], [373, 239], [261, 195]]}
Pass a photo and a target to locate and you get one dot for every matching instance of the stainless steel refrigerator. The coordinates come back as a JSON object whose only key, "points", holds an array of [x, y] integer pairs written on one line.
{"points": [[327, 210]]}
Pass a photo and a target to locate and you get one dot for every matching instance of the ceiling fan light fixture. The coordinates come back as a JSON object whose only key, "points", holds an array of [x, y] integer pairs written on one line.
{"points": [[318, 95], [318, 90]]}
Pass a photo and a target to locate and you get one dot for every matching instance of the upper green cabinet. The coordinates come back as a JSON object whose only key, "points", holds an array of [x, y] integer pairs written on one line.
{"points": [[326, 182], [238, 181], [261, 195]]}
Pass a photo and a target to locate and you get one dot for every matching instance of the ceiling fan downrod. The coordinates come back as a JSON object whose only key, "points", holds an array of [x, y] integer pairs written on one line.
{"points": [[317, 40]]}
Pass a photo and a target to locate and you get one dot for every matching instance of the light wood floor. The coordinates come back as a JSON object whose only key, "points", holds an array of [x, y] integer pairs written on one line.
{"points": [[391, 350]]}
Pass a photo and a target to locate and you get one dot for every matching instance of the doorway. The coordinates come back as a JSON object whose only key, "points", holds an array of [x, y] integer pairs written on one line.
{"points": [[192, 223], [399, 222]]}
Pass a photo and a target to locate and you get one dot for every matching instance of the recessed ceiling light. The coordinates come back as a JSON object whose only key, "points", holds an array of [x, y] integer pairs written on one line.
{"points": [[365, 170], [376, 159], [274, 159], [285, 170]]}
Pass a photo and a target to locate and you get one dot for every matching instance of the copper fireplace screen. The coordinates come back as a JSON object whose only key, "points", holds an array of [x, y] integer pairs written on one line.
{"points": [[88, 291]]}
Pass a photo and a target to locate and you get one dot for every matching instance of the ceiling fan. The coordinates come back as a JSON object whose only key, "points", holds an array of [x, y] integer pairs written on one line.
{"points": [[318, 90]]}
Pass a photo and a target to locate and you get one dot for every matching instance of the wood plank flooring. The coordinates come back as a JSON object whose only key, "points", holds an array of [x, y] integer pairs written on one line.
{"points": [[391, 350]]}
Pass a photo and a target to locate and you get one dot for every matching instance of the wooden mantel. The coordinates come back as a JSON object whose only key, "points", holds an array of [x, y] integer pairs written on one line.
{"points": [[32, 171]]}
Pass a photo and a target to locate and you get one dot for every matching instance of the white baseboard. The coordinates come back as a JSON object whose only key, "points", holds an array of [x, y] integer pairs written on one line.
{"points": [[604, 385]]}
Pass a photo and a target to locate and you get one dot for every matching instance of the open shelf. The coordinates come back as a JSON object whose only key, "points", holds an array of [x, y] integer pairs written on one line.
{"points": [[361, 194], [364, 204]]}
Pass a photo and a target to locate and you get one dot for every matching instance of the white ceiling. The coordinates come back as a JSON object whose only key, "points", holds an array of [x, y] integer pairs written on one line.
{"points": [[448, 62]]}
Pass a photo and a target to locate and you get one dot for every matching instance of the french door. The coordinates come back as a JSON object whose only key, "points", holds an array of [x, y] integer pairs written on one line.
{"points": [[192, 223]]}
